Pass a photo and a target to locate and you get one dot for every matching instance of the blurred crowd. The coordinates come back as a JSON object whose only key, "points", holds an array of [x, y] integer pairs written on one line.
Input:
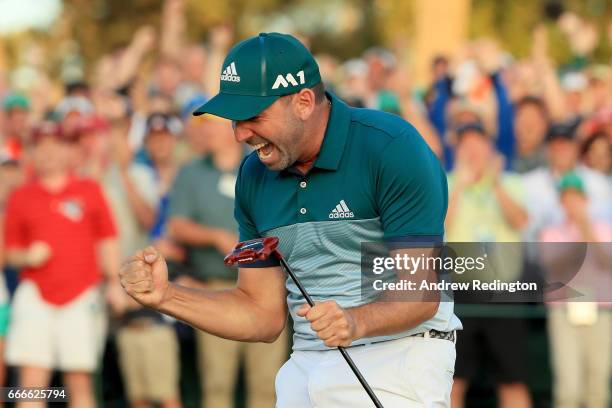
{"points": [[115, 162]]}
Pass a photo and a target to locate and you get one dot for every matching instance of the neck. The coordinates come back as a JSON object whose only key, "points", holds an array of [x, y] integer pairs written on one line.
{"points": [[54, 181], [227, 158], [526, 149], [316, 132]]}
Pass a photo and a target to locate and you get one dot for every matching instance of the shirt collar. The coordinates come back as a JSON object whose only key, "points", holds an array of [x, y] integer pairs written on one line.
{"points": [[334, 140], [336, 135]]}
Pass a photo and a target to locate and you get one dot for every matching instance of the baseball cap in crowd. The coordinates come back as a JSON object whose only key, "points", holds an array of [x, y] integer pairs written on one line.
{"points": [[192, 104], [92, 123], [162, 122], [77, 104], [7, 159], [257, 72], [571, 181], [16, 100], [574, 81], [475, 126], [564, 131], [52, 129]]}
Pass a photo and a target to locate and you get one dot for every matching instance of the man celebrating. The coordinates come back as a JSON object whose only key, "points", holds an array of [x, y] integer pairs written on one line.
{"points": [[324, 178]]}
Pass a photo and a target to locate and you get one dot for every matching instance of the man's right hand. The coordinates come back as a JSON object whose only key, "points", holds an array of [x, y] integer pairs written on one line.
{"points": [[145, 277]]}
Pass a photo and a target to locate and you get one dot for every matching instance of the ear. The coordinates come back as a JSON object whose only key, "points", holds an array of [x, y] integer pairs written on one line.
{"points": [[304, 103]]}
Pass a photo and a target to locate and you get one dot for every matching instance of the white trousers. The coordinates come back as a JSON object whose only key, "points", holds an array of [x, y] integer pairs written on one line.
{"points": [[408, 372]]}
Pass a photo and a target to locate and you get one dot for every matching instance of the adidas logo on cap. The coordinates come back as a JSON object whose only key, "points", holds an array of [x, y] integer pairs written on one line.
{"points": [[230, 74], [341, 211]]}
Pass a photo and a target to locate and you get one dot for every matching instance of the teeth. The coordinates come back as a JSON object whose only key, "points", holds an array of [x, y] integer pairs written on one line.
{"points": [[259, 146]]}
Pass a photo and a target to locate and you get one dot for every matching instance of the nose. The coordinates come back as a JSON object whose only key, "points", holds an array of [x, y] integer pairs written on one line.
{"points": [[242, 132]]}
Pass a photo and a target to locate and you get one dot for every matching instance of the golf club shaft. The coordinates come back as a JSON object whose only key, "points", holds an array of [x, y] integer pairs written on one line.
{"points": [[343, 351]]}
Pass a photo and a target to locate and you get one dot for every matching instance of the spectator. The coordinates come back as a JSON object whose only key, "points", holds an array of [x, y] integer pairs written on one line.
{"points": [[353, 87], [562, 152], [381, 64], [54, 226], [71, 110], [530, 128], [596, 153], [580, 332], [485, 205], [11, 176], [147, 343], [16, 127], [201, 217], [474, 78]]}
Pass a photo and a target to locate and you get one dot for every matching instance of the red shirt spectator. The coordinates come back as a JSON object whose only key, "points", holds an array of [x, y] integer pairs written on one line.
{"points": [[70, 221]]}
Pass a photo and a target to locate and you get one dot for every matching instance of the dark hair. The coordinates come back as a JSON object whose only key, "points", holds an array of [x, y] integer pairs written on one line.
{"points": [[586, 146], [534, 101], [319, 91], [76, 87]]}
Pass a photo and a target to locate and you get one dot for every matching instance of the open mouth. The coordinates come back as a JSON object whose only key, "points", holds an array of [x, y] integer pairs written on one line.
{"points": [[264, 150]]}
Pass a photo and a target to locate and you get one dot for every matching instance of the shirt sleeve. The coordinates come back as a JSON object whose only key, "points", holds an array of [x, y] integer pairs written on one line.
{"points": [[103, 222], [505, 119], [412, 193], [15, 227]]}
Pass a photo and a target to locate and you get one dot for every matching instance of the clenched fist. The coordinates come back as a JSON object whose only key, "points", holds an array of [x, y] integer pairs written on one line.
{"points": [[333, 324], [145, 277]]}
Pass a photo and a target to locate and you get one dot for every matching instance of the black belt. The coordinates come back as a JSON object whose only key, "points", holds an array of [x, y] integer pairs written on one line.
{"points": [[430, 334], [435, 334]]}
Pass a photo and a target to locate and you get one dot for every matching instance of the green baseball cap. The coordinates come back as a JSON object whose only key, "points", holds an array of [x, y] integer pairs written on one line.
{"points": [[16, 100], [258, 71], [571, 181]]}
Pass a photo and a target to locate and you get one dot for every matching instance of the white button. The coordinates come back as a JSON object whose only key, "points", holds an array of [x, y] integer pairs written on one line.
{"points": [[302, 211], [303, 184]]}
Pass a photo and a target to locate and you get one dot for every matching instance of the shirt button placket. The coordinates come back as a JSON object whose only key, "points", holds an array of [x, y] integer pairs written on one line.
{"points": [[302, 197]]}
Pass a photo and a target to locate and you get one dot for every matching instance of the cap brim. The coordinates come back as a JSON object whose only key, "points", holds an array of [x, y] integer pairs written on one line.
{"points": [[236, 107]]}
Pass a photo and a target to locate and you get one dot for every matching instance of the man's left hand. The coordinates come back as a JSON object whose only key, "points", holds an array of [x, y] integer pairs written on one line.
{"points": [[333, 324]]}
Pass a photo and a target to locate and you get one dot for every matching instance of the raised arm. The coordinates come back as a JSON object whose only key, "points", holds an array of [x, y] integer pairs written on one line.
{"points": [[254, 310]]}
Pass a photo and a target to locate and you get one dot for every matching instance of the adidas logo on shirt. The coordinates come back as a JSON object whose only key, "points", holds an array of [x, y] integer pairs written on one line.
{"points": [[341, 211], [230, 73]]}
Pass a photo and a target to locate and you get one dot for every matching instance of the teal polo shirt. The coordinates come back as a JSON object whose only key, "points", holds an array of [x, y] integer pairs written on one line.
{"points": [[374, 179]]}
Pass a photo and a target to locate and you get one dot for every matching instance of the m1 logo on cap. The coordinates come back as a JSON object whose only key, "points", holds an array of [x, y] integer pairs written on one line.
{"points": [[230, 74], [287, 79]]}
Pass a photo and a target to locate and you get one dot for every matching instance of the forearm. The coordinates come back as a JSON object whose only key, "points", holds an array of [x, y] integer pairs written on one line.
{"points": [[453, 204], [110, 259], [385, 318], [398, 311], [230, 314], [513, 213], [17, 258], [553, 94], [437, 112], [412, 114], [505, 119], [215, 62], [143, 212], [172, 31], [191, 233]]}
